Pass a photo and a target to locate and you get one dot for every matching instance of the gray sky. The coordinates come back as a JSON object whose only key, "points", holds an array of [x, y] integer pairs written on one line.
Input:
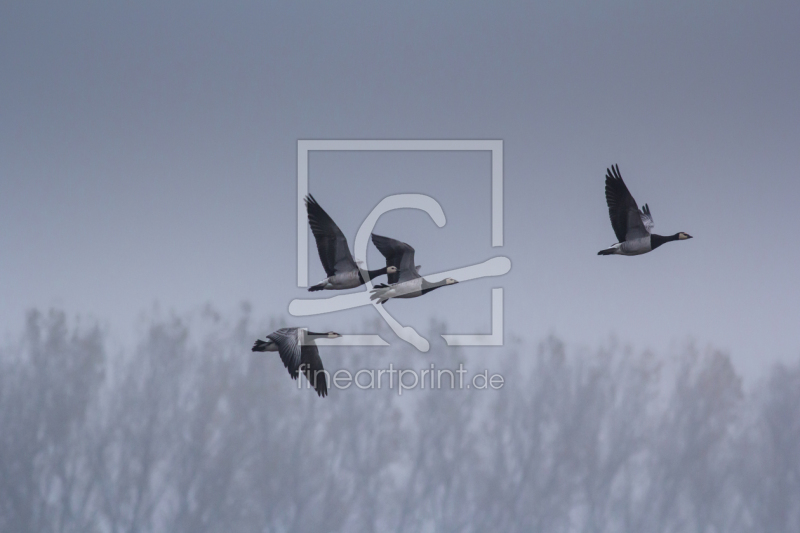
{"points": [[148, 154]]}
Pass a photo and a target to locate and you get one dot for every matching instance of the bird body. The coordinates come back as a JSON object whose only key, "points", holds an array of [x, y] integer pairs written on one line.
{"points": [[265, 346], [344, 280], [407, 289], [299, 353], [343, 272], [632, 247], [632, 226]]}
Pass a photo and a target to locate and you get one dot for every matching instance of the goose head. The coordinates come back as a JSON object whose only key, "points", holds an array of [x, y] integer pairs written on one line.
{"points": [[391, 270], [683, 236], [332, 335], [450, 281]]}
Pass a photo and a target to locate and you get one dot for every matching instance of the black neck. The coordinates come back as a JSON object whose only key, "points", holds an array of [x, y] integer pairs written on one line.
{"points": [[372, 274], [658, 240]]}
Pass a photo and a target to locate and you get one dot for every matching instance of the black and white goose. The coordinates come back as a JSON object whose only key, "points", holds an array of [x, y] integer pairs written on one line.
{"points": [[406, 282], [632, 226], [342, 270], [299, 352]]}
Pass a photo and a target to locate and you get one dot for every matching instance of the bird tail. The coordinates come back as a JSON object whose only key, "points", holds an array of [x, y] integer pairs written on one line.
{"points": [[317, 287], [607, 251], [260, 346]]}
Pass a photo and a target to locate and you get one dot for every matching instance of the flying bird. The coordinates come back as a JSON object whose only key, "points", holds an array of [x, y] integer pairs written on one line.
{"points": [[299, 352], [632, 226], [406, 281], [341, 269]]}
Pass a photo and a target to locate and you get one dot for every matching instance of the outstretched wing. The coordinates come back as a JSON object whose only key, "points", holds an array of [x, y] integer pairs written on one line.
{"points": [[397, 254], [288, 348], [626, 219], [331, 242], [647, 218], [312, 368]]}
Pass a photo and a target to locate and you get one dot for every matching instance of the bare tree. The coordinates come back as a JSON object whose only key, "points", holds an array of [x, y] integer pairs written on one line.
{"points": [[769, 480], [47, 391], [192, 432]]}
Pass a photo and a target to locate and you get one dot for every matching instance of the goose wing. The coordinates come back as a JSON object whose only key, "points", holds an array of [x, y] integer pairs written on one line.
{"points": [[313, 369], [397, 254], [331, 243], [647, 218], [626, 219], [288, 348]]}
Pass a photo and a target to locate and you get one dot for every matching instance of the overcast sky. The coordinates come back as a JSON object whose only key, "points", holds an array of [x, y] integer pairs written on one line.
{"points": [[148, 153]]}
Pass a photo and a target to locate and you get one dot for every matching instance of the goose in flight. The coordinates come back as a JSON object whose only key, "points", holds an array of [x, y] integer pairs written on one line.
{"points": [[632, 226], [299, 352], [405, 282], [342, 270]]}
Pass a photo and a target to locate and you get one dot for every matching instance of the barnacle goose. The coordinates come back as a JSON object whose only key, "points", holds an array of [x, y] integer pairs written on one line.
{"points": [[342, 270], [406, 281], [299, 352], [632, 226]]}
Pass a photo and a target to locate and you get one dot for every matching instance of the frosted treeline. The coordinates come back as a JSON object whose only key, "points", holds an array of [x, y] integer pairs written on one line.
{"points": [[188, 431]]}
